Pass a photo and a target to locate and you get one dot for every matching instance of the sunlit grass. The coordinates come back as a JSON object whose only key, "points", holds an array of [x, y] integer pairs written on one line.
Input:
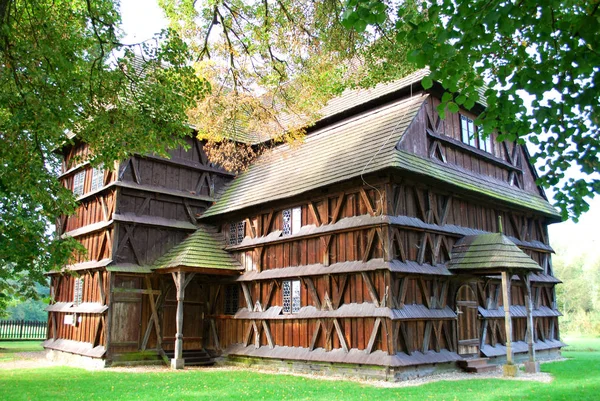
{"points": [[577, 378]]}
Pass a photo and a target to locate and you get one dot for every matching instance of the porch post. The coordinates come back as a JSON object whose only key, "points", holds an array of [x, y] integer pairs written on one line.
{"points": [[177, 362], [509, 369], [531, 366]]}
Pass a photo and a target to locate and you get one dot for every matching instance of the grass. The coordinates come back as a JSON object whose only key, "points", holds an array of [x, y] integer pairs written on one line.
{"points": [[575, 379], [9, 349]]}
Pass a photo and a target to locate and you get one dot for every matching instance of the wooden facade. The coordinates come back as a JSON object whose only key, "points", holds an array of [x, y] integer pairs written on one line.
{"points": [[339, 247]]}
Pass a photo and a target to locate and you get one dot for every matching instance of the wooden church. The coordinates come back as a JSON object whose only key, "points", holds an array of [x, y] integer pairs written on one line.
{"points": [[377, 247]]}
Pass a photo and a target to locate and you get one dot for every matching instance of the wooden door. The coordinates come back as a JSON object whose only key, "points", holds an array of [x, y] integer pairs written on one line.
{"points": [[468, 332], [126, 315]]}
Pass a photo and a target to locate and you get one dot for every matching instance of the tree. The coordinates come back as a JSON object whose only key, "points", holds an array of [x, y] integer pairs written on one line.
{"points": [[549, 49], [273, 65], [64, 70]]}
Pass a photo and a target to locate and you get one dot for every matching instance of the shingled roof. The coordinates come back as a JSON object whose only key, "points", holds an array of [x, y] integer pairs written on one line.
{"points": [[331, 155], [490, 252], [202, 249], [358, 145]]}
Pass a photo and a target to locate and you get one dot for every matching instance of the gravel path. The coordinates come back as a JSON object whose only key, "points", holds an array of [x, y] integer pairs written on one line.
{"points": [[27, 360]]}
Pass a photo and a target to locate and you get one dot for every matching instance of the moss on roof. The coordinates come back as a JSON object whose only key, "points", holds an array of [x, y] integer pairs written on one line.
{"points": [[488, 252], [202, 249]]}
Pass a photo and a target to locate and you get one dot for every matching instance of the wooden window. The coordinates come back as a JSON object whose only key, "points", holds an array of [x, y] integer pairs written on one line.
{"points": [[291, 296], [78, 291], [470, 135], [78, 181], [232, 299], [237, 232], [97, 178], [292, 220]]}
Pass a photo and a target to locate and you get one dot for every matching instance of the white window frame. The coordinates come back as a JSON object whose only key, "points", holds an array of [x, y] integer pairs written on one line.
{"points": [[292, 296], [468, 131], [97, 177], [293, 222], [78, 183]]}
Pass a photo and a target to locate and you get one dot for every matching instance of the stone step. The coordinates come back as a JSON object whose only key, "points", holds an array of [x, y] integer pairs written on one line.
{"points": [[137, 363], [480, 369], [473, 362]]}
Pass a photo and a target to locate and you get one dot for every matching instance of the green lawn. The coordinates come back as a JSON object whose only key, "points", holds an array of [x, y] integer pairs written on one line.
{"points": [[575, 379]]}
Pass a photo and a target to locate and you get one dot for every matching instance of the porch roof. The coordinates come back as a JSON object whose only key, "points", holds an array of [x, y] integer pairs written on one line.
{"points": [[204, 249], [490, 252]]}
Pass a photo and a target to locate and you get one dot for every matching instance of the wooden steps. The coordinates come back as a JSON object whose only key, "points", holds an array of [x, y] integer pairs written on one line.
{"points": [[476, 365], [197, 357]]}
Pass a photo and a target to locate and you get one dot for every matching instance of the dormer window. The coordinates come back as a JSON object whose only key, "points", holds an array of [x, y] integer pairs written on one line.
{"points": [[470, 136], [237, 232], [78, 181], [97, 178], [292, 221]]}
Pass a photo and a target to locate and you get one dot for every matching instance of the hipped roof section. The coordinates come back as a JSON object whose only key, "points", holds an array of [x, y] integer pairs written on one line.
{"points": [[203, 249], [490, 252]]}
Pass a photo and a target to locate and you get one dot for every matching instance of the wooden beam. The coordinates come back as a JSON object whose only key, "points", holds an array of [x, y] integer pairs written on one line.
{"points": [[341, 288], [269, 295], [268, 334], [340, 334], [215, 335], [370, 238], [424, 292], [154, 313], [267, 226], [525, 279], [427, 336], [134, 291], [248, 334], [312, 291], [252, 228], [507, 318], [406, 338], [371, 288], [402, 292], [315, 213], [373, 337], [180, 284], [247, 296], [367, 201], [315, 335], [338, 208]]}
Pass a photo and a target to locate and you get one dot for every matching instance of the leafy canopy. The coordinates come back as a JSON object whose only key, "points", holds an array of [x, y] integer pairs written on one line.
{"points": [[549, 50], [64, 70]]}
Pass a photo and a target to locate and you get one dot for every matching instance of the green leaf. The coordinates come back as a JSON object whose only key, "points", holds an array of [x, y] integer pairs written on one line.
{"points": [[453, 107], [427, 82]]}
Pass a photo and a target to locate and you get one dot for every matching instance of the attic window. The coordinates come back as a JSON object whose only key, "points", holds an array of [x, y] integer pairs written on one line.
{"points": [[291, 296], [97, 178], [78, 181], [292, 220], [237, 232], [78, 291], [470, 136], [232, 299]]}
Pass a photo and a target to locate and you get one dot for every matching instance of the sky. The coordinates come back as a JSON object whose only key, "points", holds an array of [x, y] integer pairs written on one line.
{"points": [[144, 18]]}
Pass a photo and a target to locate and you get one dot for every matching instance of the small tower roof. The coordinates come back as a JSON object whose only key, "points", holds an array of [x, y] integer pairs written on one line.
{"points": [[490, 253], [204, 249]]}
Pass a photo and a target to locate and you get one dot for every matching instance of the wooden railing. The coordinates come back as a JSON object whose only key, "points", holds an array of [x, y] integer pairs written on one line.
{"points": [[22, 330]]}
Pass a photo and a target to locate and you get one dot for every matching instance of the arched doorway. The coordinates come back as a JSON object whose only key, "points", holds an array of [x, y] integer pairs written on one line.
{"points": [[467, 326]]}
